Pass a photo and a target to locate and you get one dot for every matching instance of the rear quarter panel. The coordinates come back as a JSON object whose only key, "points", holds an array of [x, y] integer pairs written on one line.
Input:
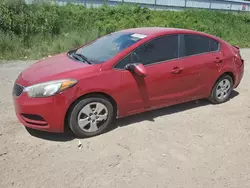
{"points": [[227, 65]]}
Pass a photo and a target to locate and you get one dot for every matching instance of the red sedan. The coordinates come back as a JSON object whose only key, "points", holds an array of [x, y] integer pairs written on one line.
{"points": [[125, 73]]}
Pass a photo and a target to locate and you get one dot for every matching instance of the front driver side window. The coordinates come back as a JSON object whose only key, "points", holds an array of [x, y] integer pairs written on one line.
{"points": [[123, 62], [158, 50]]}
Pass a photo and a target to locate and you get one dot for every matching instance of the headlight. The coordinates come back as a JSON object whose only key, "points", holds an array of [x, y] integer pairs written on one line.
{"points": [[47, 89]]}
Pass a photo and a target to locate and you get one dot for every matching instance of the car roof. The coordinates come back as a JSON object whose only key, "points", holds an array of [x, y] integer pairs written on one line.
{"points": [[153, 30], [157, 31]]}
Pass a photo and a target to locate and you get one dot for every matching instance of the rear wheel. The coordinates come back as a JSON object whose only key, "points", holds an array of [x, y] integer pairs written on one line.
{"points": [[91, 116], [222, 90]]}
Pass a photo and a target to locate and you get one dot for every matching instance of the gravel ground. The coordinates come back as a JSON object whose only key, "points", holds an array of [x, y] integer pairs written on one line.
{"points": [[188, 145]]}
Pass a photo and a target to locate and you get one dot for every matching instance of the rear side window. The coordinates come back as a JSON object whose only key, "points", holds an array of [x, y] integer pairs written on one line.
{"points": [[214, 45], [196, 44]]}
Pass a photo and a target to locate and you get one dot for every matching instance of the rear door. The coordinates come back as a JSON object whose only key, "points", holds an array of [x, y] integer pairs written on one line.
{"points": [[202, 61]]}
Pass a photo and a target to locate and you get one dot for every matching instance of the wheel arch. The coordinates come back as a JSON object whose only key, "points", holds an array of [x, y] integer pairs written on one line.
{"points": [[92, 94], [230, 73]]}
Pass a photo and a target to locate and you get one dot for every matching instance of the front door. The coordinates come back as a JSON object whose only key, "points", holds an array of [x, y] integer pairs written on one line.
{"points": [[162, 86]]}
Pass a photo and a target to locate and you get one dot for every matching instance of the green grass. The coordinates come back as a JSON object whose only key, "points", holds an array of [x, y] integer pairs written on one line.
{"points": [[37, 30]]}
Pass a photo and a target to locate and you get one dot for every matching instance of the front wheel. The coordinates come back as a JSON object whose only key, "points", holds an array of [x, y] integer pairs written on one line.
{"points": [[222, 90], [91, 116]]}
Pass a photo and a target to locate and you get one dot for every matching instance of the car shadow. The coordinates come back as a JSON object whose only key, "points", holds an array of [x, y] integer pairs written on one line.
{"points": [[57, 137], [151, 115], [148, 116]]}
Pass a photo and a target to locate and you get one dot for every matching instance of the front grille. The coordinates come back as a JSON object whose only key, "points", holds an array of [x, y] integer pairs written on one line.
{"points": [[18, 90]]}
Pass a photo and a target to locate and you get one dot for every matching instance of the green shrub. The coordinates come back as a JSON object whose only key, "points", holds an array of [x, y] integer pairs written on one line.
{"points": [[39, 29]]}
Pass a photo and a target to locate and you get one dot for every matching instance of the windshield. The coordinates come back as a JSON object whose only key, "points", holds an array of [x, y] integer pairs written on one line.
{"points": [[108, 46]]}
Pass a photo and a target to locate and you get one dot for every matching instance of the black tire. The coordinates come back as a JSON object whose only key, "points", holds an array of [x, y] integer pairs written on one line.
{"points": [[214, 98], [75, 110]]}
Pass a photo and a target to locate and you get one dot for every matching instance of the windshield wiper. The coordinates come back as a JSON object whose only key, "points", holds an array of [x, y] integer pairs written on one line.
{"points": [[81, 58]]}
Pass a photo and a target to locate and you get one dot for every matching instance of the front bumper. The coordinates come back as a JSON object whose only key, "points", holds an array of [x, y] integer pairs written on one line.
{"points": [[45, 114]]}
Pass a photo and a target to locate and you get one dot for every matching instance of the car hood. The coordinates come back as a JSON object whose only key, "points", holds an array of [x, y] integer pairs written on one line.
{"points": [[53, 68]]}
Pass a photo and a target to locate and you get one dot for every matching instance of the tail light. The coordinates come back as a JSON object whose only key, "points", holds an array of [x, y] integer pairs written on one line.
{"points": [[238, 58]]}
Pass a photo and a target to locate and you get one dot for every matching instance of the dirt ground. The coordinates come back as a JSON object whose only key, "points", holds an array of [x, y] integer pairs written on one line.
{"points": [[188, 145]]}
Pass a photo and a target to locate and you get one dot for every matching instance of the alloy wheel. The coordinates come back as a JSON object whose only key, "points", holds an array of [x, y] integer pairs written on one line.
{"points": [[223, 89], [92, 116]]}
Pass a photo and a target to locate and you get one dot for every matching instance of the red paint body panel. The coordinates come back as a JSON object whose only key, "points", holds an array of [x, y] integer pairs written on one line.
{"points": [[52, 109], [166, 83]]}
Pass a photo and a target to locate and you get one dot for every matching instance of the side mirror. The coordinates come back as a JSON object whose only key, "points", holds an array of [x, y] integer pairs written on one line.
{"points": [[139, 69]]}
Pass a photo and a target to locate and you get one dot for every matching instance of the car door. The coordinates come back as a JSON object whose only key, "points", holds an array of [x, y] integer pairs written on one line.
{"points": [[201, 61], [162, 85]]}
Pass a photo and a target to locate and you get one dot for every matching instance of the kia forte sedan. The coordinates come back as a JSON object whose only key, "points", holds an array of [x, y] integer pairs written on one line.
{"points": [[124, 73]]}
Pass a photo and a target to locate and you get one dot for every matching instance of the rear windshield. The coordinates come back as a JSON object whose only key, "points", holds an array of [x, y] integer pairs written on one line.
{"points": [[108, 46]]}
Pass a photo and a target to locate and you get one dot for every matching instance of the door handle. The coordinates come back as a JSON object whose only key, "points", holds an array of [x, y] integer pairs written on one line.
{"points": [[177, 70], [218, 60]]}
